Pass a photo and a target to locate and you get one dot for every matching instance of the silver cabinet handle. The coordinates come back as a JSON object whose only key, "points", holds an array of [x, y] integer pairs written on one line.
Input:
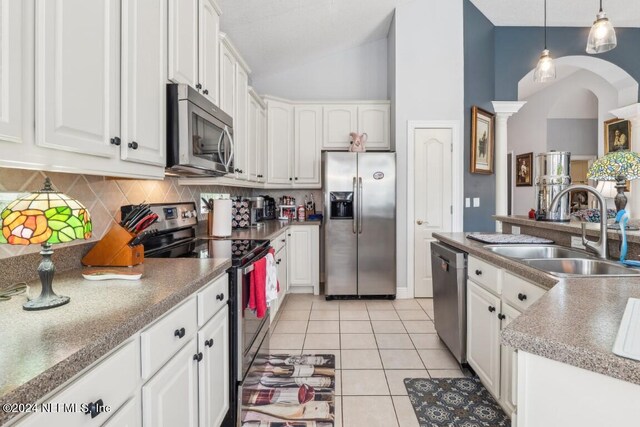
{"points": [[419, 222], [359, 205], [355, 214]]}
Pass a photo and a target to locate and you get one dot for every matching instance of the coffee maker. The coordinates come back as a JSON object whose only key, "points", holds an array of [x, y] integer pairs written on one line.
{"points": [[270, 211], [256, 211]]}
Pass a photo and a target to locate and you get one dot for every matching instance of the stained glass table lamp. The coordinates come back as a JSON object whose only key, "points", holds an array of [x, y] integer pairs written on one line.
{"points": [[618, 166], [45, 217]]}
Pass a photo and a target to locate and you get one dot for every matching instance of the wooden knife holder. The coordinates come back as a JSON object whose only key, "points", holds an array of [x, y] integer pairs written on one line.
{"points": [[113, 250]]}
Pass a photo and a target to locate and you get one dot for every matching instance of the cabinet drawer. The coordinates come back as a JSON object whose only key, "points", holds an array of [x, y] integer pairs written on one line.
{"points": [[165, 337], [485, 274], [212, 299], [112, 380], [279, 242], [520, 293]]}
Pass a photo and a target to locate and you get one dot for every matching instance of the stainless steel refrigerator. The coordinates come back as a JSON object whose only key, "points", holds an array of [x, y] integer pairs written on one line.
{"points": [[360, 223]]}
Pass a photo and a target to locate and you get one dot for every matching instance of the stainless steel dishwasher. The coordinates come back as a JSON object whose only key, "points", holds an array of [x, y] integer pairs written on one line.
{"points": [[449, 268]]}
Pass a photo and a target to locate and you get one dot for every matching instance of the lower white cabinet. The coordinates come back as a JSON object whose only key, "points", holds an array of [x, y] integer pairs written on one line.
{"points": [[130, 415], [508, 366], [213, 370], [303, 252], [483, 336], [279, 244], [170, 398]]}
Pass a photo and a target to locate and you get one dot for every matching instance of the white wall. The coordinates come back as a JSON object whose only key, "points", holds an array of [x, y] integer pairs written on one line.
{"points": [[528, 128], [429, 85], [358, 73]]}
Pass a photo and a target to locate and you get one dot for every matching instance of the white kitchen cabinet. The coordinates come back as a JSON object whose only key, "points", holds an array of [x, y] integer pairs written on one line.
{"points": [[240, 124], [263, 149], [280, 144], [283, 275], [257, 138], [12, 47], [308, 140], [209, 30], [143, 88], [303, 252], [374, 120], [213, 375], [77, 75], [183, 42], [339, 121], [227, 77], [508, 365], [170, 398], [483, 336], [130, 415]]}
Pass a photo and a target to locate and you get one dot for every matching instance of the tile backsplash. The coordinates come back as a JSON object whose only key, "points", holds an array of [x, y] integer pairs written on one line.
{"points": [[103, 196]]}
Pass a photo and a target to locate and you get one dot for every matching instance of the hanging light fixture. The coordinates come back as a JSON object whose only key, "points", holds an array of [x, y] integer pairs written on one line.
{"points": [[602, 37], [546, 69]]}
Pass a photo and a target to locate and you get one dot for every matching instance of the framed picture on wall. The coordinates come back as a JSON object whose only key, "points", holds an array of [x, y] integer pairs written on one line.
{"points": [[617, 135], [481, 141], [524, 170]]}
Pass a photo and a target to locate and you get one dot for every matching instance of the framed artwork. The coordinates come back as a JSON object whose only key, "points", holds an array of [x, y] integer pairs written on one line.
{"points": [[524, 170], [481, 141], [617, 135]]}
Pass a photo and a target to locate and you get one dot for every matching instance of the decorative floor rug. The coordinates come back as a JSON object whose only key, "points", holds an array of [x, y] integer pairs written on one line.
{"points": [[454, 402], [282, 390]]}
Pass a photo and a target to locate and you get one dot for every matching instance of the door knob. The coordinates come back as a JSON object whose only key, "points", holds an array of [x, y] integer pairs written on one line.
{"points": [[419, 222]]}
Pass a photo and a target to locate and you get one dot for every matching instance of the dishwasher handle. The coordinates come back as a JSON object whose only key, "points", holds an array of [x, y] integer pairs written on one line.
{"points": [[444, 263]]}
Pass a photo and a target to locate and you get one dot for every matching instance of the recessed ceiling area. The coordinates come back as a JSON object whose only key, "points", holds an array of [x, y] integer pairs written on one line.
{"points": [[275, 34], [561, 13]]}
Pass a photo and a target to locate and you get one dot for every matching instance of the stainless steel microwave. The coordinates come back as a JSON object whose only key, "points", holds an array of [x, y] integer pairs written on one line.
{"points": [[199, 134]]}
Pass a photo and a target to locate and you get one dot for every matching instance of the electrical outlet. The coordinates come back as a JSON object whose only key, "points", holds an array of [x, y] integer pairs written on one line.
{"points": [[467, 202], [476, 202], [208, 196], [515, 229], [576, 242]]}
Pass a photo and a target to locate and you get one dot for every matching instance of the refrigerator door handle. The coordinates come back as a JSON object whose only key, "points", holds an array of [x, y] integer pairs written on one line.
{"points": [[359, 205], [355, 214]]}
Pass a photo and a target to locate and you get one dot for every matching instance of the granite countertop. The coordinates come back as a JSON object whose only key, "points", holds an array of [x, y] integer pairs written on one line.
{"points": [[269, 230], [575, 322], [43, 349]]}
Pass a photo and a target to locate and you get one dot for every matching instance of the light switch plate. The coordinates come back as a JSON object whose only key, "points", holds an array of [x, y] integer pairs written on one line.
{"points": [[515, 229], [467, 202], [576, 242], [207, 196], [476, 202]]}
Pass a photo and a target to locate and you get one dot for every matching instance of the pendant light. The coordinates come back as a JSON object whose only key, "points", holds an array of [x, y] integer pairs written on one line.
{"points": [[546, 69], [602, 37]]}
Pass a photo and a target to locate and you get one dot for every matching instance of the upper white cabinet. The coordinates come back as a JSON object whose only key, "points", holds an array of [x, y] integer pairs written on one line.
{"points": [[11, 81], [227, 78], [144, 73], [339, 121], [279, 142], [308, 139], [209, 29], [241, 124], [372, 118], [77, 75], [193, 45], [256, 136]]}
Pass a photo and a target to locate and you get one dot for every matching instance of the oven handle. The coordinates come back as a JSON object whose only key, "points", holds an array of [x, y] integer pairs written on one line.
{"points": [[248, 269]]}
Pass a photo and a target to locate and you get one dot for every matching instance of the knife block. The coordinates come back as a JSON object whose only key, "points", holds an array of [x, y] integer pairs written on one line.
{"points": [[113, 250]]}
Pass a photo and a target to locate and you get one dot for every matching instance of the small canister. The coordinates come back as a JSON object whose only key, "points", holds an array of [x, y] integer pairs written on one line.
{"points": [[302, 213]]}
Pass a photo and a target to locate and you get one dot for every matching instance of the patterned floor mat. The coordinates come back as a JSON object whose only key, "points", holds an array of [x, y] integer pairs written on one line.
{"points": [[282, 390], [454, 402]]}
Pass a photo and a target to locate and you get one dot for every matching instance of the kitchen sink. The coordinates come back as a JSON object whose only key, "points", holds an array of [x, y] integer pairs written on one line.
{"points": [[536, 251], [576, 267]]}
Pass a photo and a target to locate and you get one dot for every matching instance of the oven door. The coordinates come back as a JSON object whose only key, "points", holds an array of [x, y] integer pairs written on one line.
{"points": [[251, 329]]}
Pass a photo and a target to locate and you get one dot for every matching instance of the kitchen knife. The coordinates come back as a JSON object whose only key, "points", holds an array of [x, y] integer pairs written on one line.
{"points": [[131, 225], [140, 238], [146, 222]]}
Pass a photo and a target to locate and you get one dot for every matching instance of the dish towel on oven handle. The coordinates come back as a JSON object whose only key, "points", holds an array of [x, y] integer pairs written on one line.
{"points": [[272, 284], [258, 288]]}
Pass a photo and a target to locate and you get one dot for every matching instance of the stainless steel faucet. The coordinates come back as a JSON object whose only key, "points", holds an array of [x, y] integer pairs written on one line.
{"points": [[600, 247]]}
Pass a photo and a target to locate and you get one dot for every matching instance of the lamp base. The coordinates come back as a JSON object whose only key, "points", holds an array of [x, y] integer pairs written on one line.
{"points": [[41, 303]]}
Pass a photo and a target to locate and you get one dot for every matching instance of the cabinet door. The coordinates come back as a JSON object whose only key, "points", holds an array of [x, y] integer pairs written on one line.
{"points": [[308, 140], [374, 120], [262, 145], [213, 343], [130, 415], [508, 365], [183, 41], [144, 77], [339, 121], [483, 336], [279, 142], [11, 48], [78, 75], [253, 128], [170, 398], [209, 23], [227, 80], [240, 124], [300, 251], [283, 279]]}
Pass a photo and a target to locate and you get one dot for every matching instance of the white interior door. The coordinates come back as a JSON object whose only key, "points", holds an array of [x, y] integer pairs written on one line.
{"points": [[433, 199]]}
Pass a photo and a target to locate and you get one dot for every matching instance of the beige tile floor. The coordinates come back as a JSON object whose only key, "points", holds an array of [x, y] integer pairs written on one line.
{"points": [[377, 345]]}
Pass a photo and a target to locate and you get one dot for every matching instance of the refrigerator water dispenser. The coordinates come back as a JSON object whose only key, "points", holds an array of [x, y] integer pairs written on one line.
{"points": [[341, 204]]}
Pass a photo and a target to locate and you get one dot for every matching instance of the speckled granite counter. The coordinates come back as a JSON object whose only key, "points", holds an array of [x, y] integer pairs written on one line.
{"points": [[43, 349], [575, 322], [269, 229]]}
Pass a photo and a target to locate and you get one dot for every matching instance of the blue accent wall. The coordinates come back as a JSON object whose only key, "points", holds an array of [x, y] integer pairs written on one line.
{"points": [[517, 50], [479, 89]]}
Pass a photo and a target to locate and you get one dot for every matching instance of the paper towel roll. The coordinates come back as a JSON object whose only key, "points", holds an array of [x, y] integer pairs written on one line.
{"points": [[221, 218]]}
